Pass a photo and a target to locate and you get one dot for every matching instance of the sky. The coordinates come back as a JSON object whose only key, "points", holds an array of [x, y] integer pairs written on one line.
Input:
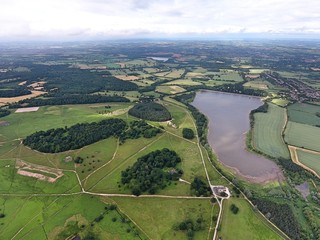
{"points": [[105, 19]]}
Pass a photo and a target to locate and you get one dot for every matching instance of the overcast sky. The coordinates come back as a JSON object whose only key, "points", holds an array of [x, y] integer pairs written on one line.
{"points": [[71, 19]]}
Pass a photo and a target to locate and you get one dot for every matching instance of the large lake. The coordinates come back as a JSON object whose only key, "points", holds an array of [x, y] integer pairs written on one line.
{"points": [[229, 122]]}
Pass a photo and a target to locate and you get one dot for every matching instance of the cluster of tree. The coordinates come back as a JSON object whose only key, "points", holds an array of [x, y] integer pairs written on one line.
{"points": [[296, 173], [261, 109], [187, 133], [152, 172], [78, 160], [139, 129], [4, 112], [199, 188], [150, 111], [309, 214], [63, 99], [20, 91], [234, 209], [190, 227], [74, 137], [281, 215], [201, 120]]}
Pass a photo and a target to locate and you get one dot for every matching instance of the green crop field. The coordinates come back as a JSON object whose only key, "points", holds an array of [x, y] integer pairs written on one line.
{"points": [[267, 132], [157, 217], [302, 135], [304, 113], [245, 224], [309, 159]]}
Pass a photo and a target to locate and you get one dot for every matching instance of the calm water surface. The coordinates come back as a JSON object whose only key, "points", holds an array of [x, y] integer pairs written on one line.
{"points": [[229, 122]]}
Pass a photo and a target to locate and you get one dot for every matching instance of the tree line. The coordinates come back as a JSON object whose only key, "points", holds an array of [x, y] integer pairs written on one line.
{"points": [[139, 129], [19, 91], [82, 134], [4, 112], [74, 137], [63, 99]]}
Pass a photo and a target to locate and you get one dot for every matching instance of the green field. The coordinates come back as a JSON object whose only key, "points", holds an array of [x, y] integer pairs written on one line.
{"points": [[304, 113], [184, 82], [257, 84], [310, 160], [302, 135], [157, 216], [61, 217], [267, 132], [170, 89], [280, 102], [52, 117], [246, 224]]}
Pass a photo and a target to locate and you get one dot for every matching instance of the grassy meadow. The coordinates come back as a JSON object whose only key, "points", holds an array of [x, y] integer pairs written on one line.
{"points": [[246, 224]]}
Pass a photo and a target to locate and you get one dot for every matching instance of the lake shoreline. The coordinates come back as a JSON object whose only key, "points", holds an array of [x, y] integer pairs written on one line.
{"points": [[229, 143]]}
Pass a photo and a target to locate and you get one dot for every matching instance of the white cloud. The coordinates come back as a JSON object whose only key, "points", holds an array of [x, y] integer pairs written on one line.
{"points": [[105, 18]]}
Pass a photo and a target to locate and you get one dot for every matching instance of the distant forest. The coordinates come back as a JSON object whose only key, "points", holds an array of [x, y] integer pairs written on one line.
{"points": [[19, 91], [62, 99]]}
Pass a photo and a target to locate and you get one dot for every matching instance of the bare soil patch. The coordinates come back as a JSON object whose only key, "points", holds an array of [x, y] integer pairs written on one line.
{"points": [[37, 84], [304, 189], [29, 109], [127, 77], [22, 83], [4, 101], [4, 123], [36, 171]]}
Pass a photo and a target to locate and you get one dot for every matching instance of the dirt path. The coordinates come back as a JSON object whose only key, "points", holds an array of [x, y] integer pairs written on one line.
{"points": [[295, 158], [124, 161], [113, 156]]}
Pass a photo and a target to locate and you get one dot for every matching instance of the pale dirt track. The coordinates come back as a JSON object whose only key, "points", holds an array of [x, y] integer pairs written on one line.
{"points": [[295, 158]]}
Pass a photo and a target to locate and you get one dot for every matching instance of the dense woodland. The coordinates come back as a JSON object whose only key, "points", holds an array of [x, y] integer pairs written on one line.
{"points": [[20, 91], [64, 99], [187, 133], [199, 187], [4, 112], [74, 137], [150, 111], [152, 172], [82, 134], [139, 129], [281, 215]]}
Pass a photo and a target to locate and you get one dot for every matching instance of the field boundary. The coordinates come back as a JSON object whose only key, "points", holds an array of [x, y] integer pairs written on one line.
{"points": [[295, 158]]}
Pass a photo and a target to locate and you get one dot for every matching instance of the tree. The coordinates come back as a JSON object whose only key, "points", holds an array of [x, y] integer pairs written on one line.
{"points": [[187, 133]]}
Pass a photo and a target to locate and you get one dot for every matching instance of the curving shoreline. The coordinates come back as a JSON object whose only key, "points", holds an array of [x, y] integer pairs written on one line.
{"points": [[228, 116]]}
